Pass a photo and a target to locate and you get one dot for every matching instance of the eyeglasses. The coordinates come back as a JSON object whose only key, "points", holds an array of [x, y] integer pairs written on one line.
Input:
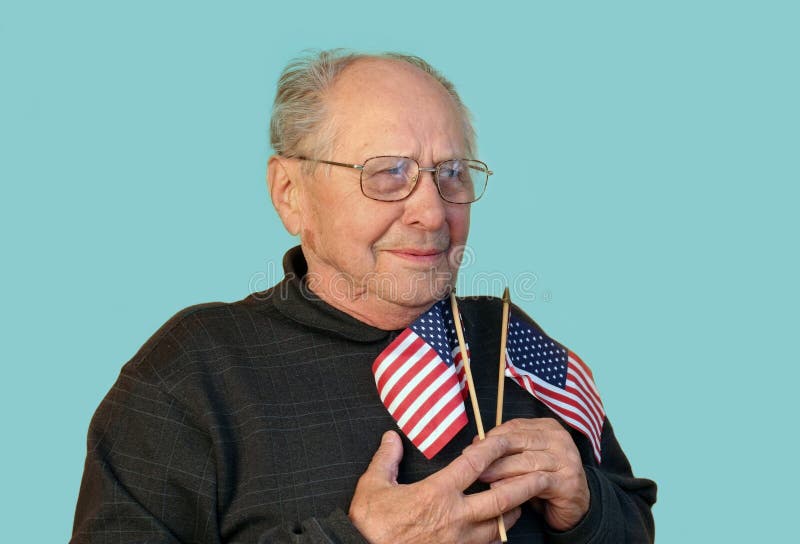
{"points": [[386, 178]]}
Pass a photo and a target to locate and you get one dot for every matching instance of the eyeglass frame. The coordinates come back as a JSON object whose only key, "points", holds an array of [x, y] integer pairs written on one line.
{"points": [[433, 169]]}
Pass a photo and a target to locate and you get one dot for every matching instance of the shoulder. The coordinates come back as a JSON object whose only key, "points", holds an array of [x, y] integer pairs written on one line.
{"points": [[202, 333]]}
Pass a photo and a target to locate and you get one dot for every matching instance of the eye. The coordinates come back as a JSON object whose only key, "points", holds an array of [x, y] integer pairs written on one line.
{"points": [[394, 167], [451, 171], [395, 171]]}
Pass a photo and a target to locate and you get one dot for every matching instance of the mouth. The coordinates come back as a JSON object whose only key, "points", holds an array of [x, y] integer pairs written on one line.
{"points": [[419, 256]]}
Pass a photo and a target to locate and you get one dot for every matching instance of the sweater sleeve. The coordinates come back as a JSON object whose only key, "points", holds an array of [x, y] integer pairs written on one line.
{"points": [[149, 471], [620, 508], [151, 475]]}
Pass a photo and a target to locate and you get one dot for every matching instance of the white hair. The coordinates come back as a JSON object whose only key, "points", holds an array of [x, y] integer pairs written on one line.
{"points": [[301, 124]]}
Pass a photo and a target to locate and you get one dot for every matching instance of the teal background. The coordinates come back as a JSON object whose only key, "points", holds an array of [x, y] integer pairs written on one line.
{"points": [[646, 171]]}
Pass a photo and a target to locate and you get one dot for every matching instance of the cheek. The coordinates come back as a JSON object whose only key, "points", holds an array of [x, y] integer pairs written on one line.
{"points": [[459, 229], [310, 221], [349, 229], [369, 222], [458, 220]]}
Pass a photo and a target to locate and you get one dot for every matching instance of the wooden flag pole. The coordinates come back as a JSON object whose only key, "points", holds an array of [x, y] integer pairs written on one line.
{"points": [[501, 378], [471, 386], [467, 369]]}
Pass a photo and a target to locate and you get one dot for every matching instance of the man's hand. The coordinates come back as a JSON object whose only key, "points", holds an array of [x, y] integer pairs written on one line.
{"points": [[436, 509], [541, 450]]}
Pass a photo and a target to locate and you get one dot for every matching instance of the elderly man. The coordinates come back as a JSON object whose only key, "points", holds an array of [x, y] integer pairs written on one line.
{"points": [[260, 420]]}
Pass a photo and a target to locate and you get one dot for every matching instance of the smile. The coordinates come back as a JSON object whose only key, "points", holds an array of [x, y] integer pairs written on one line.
{"points": [[419, 256]]}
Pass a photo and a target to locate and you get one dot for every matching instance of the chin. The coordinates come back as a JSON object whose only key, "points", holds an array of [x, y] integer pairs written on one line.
{"points": [[417, 289]]}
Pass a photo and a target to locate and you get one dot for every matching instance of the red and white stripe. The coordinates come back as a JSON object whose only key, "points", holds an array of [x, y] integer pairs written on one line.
{"points": [[460, 371], [421, 391], [578, 404]]}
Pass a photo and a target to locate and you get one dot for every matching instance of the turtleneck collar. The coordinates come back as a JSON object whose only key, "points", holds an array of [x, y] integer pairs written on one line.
{"points": [[295, 300]]}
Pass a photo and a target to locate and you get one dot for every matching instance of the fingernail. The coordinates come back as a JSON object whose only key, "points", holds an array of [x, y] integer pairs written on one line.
{"points": [[388, 437]]}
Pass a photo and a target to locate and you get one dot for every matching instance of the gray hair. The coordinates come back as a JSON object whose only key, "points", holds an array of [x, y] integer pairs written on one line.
{"points": [[301, 125]]}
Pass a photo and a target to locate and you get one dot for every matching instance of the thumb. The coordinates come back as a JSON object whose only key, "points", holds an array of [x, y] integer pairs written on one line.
{"points": [[386, 460]]}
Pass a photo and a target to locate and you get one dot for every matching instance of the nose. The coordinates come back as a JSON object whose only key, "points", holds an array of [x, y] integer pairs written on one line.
{"points": [[424, 207]]}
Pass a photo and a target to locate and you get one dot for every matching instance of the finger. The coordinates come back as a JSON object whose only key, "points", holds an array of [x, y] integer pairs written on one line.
{"points": [[488, 530], [539, 423], [521, 463], [544, 425], [473, 461], [385, 462], [507, 494], [524, 435], [565, 489]]}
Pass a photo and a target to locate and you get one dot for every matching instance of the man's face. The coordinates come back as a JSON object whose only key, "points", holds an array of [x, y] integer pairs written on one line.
{"points": [[403, 253]]}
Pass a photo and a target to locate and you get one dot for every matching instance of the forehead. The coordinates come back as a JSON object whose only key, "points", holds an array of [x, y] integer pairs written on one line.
{"points": [[380, 106]]}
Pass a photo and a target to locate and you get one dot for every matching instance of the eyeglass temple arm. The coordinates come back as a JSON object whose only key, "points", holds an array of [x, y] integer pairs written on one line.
{"points": [[433, 169], [334, 163]]}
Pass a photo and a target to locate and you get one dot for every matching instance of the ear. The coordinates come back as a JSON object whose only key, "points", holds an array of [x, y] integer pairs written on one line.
{"points": [[283, 183]]}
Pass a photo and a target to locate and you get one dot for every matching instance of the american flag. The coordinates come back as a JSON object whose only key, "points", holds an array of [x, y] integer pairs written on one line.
{"points": [[420, 379], [555, 376]]}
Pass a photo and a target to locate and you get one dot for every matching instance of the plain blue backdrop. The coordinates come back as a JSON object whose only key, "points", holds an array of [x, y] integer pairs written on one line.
{"points": [[645, 188]]}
